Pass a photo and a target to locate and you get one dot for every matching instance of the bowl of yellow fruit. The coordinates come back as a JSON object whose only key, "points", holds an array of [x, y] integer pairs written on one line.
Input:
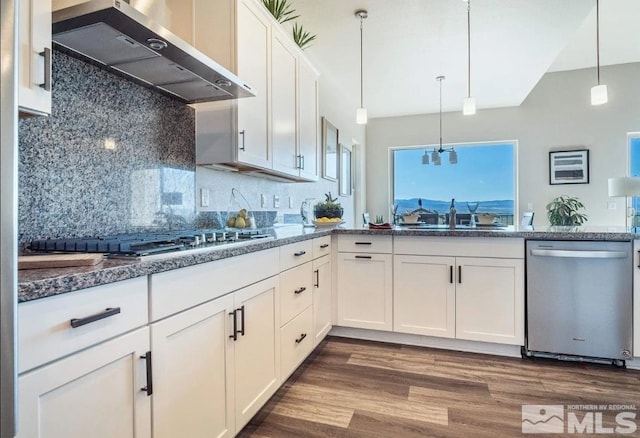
{"points": [[328, 222]]}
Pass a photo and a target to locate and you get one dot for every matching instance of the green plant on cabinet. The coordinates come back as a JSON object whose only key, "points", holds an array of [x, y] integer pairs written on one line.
{"points": [[564, 211]]}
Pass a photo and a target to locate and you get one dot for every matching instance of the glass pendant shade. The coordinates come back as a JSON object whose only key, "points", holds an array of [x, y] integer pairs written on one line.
{"points": [[599, 95], [435, 157], [469, 106], [425, 158], [453, 157], [361, 116]]}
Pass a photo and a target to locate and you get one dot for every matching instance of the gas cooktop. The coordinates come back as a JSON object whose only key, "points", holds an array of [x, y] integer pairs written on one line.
{"points": [[143, 244]]}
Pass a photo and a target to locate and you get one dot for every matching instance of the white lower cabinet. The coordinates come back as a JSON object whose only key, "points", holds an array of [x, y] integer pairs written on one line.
{"points": [[490, 300], [439, 292], [217, 364], [424, 295], [257, 348], [296, 341], [365, 291], [322, 281], [193, 372], [97, 392]]}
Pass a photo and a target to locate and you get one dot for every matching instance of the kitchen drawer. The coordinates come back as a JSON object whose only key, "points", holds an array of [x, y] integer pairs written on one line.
{"points": [[180, 289], [365, 243], [497, 247], [296, 342], [296, 291], [295, 254], [321, 246], [44, 326]]}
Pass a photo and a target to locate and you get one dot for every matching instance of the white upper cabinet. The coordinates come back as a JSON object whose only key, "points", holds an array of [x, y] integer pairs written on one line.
{"points": [[308, 117], [34, 57], [283, 104], [275, 133]]}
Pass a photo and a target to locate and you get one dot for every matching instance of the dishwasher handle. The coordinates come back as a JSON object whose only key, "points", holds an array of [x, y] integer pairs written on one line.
{"points": [[579, 254]]}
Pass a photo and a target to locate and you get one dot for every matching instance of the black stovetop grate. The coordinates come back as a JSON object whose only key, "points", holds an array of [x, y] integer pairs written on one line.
{"points": [[138, 244]]}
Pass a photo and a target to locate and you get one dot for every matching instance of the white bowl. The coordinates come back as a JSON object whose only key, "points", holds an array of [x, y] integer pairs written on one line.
{"points": [[486, 218]]}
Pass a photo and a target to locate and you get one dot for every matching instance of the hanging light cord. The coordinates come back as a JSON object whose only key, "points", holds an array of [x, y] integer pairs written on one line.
{"points": [[361, 75], [440, 78], [469, 47], [598, 39]]}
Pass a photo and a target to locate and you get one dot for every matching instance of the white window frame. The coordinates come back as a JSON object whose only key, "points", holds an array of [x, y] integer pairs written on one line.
{"points": [[516, 187]]}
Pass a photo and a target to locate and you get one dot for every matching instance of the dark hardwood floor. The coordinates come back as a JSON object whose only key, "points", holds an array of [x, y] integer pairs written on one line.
{"points": [[352, 388]]}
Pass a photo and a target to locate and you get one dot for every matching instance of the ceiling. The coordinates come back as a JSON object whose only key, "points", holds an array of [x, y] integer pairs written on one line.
{"points": [[407, 43]]}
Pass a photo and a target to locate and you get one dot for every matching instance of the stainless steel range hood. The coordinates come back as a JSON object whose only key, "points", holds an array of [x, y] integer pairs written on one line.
{"points": [[117, 37]]}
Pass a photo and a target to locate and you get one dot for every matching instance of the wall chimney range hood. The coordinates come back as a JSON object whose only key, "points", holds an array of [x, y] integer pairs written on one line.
{"points": [[115, 36]]}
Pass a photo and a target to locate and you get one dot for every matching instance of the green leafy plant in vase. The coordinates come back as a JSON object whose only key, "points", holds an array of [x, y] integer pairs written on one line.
{"points": [[330, 209], [564, 211]]}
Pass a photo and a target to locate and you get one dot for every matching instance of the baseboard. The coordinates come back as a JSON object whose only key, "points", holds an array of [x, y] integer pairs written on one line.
{"points": [[428, 341]]}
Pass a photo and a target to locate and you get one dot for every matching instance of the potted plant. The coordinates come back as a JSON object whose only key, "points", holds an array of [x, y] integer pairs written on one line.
{"points": [[329, 209], [564, 211]]}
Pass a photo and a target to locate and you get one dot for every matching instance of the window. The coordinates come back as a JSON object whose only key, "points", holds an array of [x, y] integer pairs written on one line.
{"points": [[484, 173], [634, 164]]}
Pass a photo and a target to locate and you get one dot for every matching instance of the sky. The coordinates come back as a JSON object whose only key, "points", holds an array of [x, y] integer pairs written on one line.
{"points": [[483, 173]]}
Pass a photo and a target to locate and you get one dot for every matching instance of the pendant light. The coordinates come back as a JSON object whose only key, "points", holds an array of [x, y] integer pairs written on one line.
{"points": [[469, 105], [436, 153], [599, 92], [361, 113]]}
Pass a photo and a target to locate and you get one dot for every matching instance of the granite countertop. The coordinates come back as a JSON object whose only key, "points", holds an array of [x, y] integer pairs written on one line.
{"points": [[40, 283]]}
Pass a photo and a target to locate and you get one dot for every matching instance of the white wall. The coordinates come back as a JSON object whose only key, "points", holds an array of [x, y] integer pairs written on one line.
{"points": [[556, 115]]}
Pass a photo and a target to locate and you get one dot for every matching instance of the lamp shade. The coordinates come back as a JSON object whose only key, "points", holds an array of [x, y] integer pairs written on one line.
{"points": [[624, 186], [469, 106], [599, 95], [361, 116]]}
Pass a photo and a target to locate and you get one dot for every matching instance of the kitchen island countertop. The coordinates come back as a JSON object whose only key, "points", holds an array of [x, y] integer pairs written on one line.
{"points": [[40, 283]]}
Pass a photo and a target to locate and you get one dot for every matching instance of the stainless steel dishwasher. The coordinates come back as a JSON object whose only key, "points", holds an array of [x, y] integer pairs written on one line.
{"points": [[579, 299]]}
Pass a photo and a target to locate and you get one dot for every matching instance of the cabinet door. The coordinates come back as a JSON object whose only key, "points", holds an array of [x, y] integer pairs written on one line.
{"points": [[321, 298], [490, 300], [424, 295], [34, 57], [283, 105], [257, 348], [253, 37], [94, 393], [365, 291], [193, 372], [308, 120]]}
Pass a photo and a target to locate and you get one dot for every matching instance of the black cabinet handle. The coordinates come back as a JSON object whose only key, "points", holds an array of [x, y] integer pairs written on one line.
{"points": [[78, 322], [242, 133], [451, 274], [299, 291], [317, 272], [234, 336], [149, 388], [46, 53], [324, 245], [363, 257], [244, 315], [459, 274], [301, 338], [363, 243], [300, 253]]}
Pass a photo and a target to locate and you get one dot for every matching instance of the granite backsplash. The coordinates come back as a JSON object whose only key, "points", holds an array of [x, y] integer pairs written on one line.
{"points": [[113, 157]]}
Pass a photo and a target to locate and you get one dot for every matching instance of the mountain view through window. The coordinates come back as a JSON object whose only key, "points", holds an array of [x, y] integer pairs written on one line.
{"points": [[484, 173]]}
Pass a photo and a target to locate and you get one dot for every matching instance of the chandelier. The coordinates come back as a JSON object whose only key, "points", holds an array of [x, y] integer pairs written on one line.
{"points": [[436, 154]]}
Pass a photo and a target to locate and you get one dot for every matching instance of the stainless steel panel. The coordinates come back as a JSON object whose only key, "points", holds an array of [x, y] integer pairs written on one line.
{"points": [[8, 215], [581, 302], [104, 44]]}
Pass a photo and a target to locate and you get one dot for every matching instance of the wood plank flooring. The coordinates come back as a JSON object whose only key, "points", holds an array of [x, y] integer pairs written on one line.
{"points": [[351, 388]]}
